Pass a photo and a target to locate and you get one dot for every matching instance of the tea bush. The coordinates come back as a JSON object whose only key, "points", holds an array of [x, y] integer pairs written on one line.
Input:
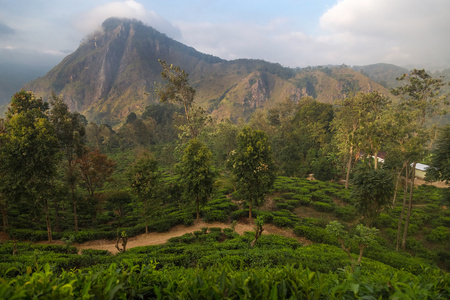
{"points": [[215, 216], [440, 234], [346, 213], [323, 207], [282, 222], [315, 234]]}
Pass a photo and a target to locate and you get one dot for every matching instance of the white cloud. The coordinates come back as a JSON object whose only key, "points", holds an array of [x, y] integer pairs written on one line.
{"points": [[91, 20], [401, 31]]}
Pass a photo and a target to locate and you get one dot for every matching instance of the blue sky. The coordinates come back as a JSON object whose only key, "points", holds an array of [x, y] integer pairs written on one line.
{"points": [[293, 33]]}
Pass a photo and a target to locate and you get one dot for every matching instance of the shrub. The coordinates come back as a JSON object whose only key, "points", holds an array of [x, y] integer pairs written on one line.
{"points": [[315, 234], [323, 207], [303, 199], [278, 199], [281, 206], [446, 221], [240, 213], [288, 195], [385, 221], [345, 213], [161, 225], [187, 238], [215, 216], [230, 233], [32, 235], [293, 203], [439, 234], [320, 222], [95, 252], [320, 196], [282, 222]]}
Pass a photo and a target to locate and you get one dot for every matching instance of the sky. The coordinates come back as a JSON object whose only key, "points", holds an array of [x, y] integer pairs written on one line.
{"points": [[294, 33]]}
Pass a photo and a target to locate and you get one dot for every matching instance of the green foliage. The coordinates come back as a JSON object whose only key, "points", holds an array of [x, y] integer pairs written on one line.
{"points": [[345, 213], [440, 234], [252, 163], [144, 178], [215, 216], [282, 222], [440, 161], [373, 189], [314, 234], [196, 174], [324, 207]]}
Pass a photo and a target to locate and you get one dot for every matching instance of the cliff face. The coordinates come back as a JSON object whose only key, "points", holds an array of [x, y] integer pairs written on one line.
{"points": [[113, 72]]}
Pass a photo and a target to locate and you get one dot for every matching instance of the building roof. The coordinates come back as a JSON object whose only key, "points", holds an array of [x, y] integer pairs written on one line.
{"points": [[421, 167]]}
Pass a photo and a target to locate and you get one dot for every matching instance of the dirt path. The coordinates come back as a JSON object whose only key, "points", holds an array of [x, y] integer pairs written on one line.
{"points": [[439, 184], [155, 238]]}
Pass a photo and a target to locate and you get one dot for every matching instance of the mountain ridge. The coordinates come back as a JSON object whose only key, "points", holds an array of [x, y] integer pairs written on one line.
{"points": [[114, 71]]}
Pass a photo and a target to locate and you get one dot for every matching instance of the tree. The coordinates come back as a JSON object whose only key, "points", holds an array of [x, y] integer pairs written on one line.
{"points": [[118, 202], [346, 124], [29, 153], [144, 178], [3, 199], [259, 223], [440, 160], [372, 189], [196, 174], [420, 100], [358, 126], [178, 90], [364, 237], [95, 170], [253, 166], [70, 130]]}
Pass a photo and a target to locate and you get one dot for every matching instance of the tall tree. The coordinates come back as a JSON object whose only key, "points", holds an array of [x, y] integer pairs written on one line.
{"points": [[196, 174], [144, 178], [3, 199], [29, 154], [346, 125], [420, 98], [95, 170], [372, 189], [253, 166], [358, 126], [70, 130], [440, 160], [178, 90]]}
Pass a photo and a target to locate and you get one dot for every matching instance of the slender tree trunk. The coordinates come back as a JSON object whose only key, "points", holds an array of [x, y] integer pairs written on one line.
{"points": [[47, 219], [74, 205], [57, 218], [408, 215], [145, 216], [198, 209], [400, 220], [361, 251], [347, 250], [399, 177], [250, 210], [94, 203], [4, 216], [349, 166], [376, 160]]}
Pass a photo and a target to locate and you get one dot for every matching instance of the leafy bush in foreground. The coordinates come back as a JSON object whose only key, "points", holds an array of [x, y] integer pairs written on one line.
{"points": [[220, 282]]}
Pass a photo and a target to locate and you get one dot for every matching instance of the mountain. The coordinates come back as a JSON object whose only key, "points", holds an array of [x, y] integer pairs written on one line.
{"points": [[114, 71], [384, 74]]}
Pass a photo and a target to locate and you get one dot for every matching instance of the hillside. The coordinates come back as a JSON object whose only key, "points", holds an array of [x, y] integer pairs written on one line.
{"points": [[114, 72]]}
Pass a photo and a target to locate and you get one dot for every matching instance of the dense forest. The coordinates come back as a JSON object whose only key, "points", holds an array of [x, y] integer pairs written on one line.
{"points": [[364, 228]]}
